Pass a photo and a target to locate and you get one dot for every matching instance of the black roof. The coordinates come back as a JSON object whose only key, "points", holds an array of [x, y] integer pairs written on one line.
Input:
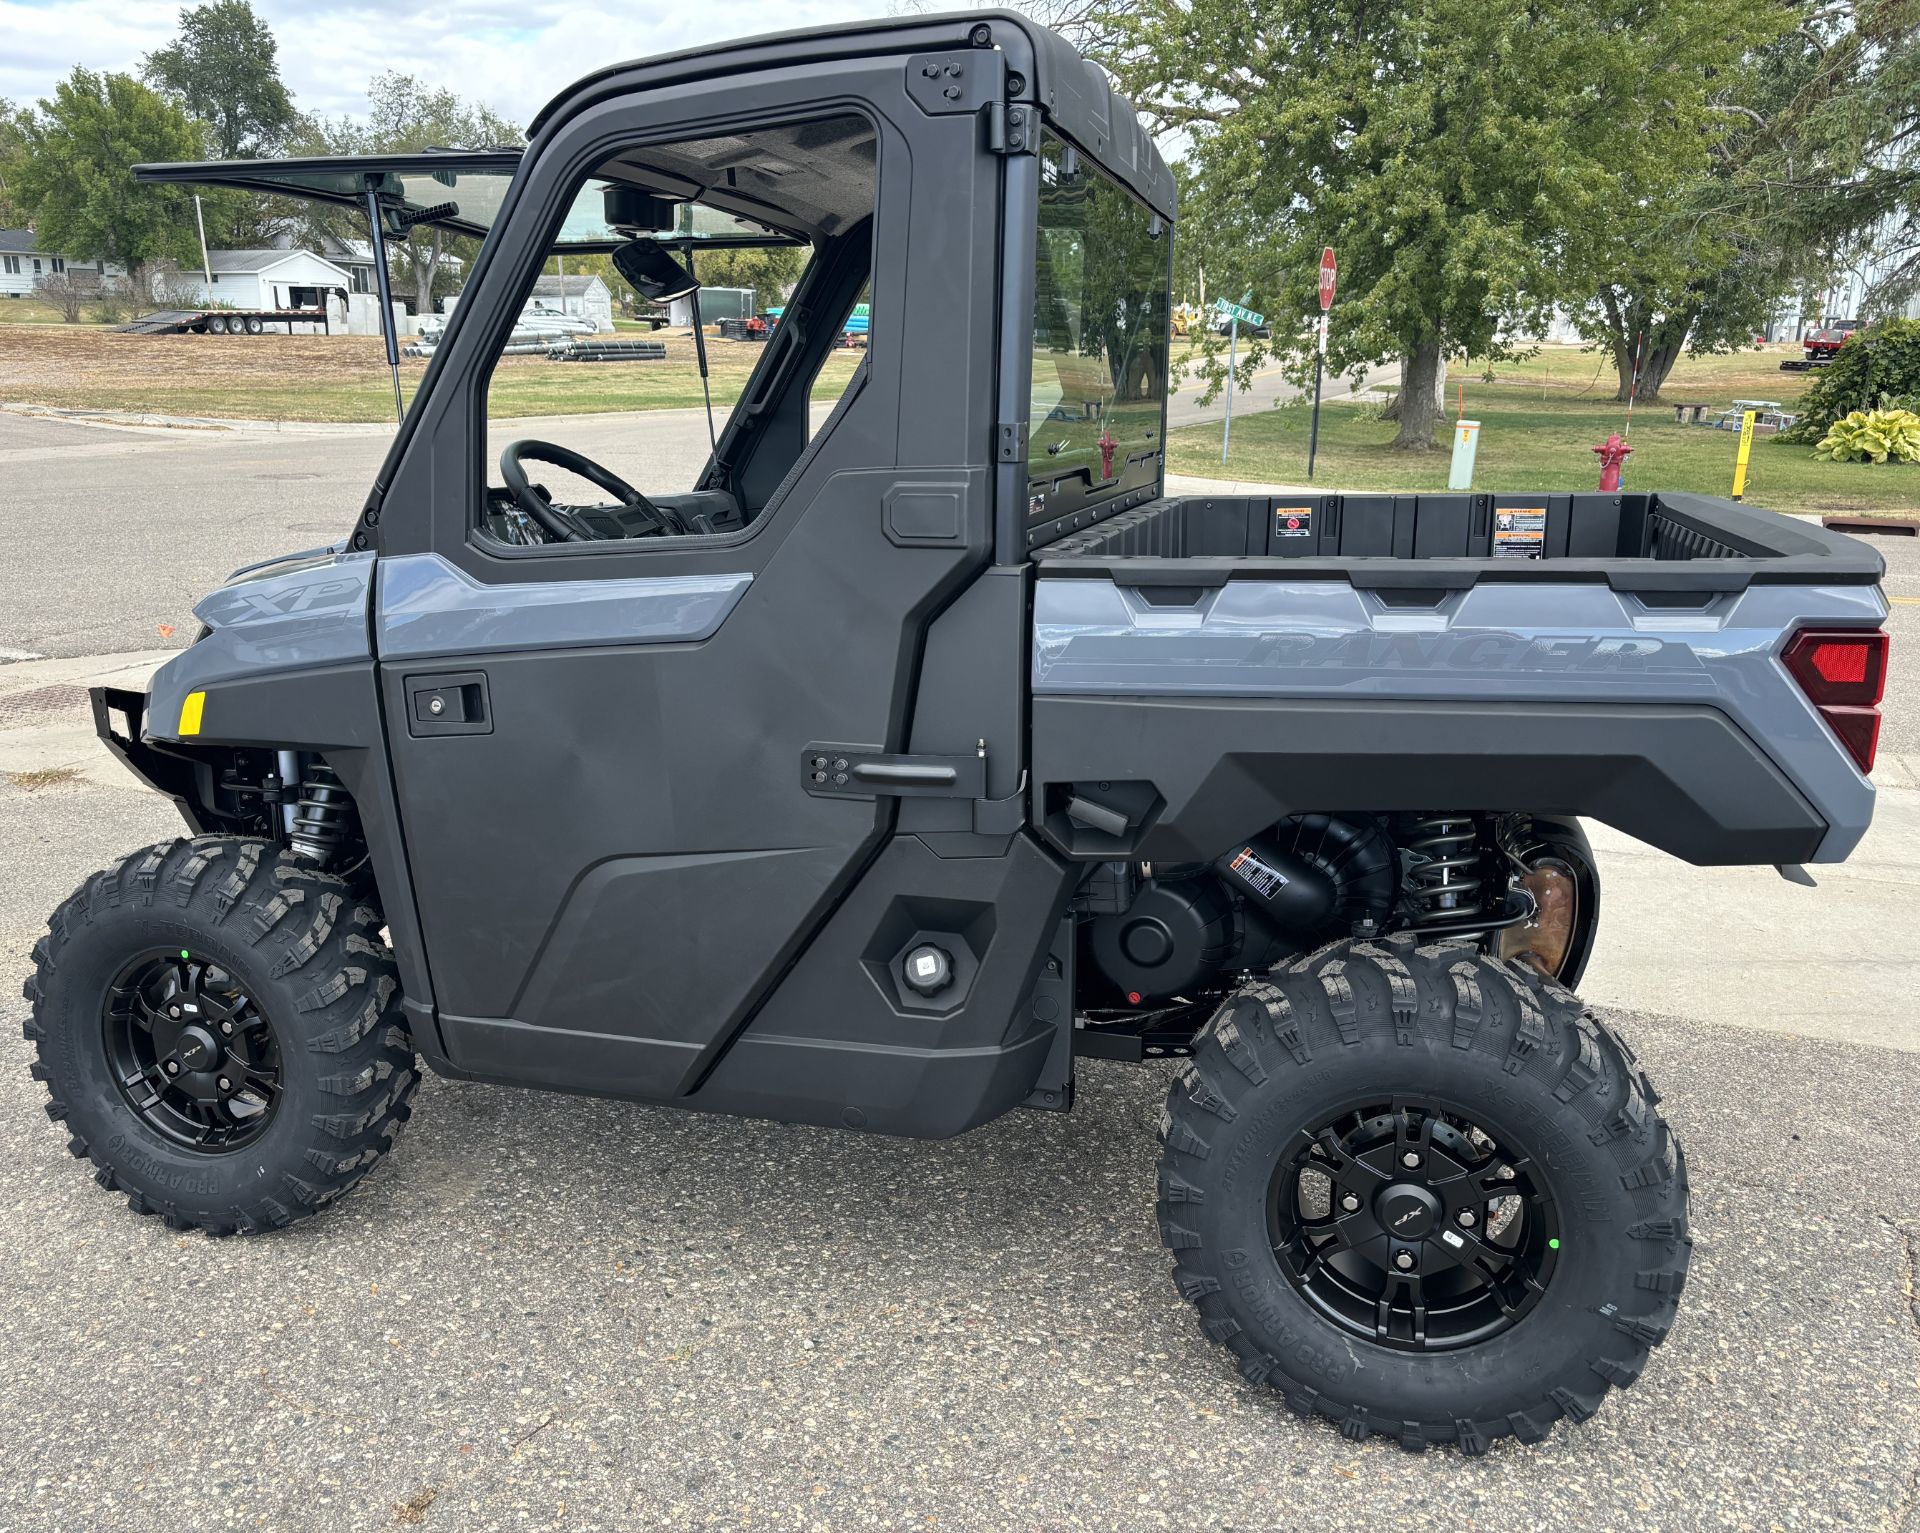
{"points": [[1072, 91]]}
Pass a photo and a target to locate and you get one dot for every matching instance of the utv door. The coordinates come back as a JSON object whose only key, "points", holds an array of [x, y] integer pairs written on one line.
{"points": [[617, 846]]}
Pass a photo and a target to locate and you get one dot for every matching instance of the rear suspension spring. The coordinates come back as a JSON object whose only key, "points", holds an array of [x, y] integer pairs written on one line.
{"points": [[1445, 882]]}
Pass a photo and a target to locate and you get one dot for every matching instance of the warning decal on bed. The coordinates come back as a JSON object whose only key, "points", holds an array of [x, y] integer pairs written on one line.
{"points": [[1293, 521], [1519, 532]]}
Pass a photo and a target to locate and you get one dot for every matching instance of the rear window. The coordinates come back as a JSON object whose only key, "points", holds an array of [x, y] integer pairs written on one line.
{"points": [[1100, 307]]}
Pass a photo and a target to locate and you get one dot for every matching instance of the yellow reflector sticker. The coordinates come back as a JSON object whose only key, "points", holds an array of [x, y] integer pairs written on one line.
{"points": [[190, 711]]}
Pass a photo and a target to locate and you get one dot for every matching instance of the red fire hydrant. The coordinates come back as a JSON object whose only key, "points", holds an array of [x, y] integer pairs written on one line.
{"points": [[1106, 444], [1613, 452]]}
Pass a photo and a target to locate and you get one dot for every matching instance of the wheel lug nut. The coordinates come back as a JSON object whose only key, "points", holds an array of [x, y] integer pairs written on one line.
{"points": [[173, 1011], [1410, 1159], [1403, 1260], [1466, 1217], [225, 1084], [173, 1067], [1350, 1202], [227, 1028]]}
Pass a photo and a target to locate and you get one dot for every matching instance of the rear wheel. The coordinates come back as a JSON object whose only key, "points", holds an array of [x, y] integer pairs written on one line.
{"points": [[217, 1024], [1423, 1193]]}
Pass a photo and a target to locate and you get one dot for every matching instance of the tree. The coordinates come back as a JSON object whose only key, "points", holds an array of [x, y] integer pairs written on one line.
{"points": [[1700, 265], [1458, 155], [1839, 162], [406, 115], [13, 153], [224, 69], [75, 180], [770, 270]]}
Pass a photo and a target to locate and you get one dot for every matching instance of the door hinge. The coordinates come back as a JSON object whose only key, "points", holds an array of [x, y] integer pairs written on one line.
{"points": [[860, 771], [1010, 442], [1012, 128]]}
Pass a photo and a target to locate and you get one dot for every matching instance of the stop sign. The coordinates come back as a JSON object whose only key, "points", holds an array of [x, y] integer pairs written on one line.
{"points": [[1326, 277]]}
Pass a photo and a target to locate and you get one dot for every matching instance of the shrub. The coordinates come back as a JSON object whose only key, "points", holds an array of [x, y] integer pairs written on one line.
{"points": [[1880, 362], [1879, 436], [110, 308], [64, 293]]}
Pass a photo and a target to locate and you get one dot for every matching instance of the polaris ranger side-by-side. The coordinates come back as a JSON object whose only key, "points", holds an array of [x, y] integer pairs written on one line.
{"points": [[899, 758]]}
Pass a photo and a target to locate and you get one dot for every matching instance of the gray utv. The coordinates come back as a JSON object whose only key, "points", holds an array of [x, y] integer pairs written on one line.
{"points": [[898, 754]]}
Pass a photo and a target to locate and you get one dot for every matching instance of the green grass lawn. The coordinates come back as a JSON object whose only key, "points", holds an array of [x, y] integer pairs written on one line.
{"points": [[1538, 421], [35, 311], [344, 378]]}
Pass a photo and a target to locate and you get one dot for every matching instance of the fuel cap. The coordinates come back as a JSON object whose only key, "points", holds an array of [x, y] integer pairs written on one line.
{"points": [[928, 970]]}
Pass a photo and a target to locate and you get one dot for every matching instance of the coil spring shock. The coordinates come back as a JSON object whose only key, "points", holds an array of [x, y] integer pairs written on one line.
{"points": [[1445, 881], [320, 818]]}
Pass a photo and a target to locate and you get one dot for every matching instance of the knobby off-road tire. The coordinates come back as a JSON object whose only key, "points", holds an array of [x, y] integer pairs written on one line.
{"points": [[1442, 1058], [173, 934]]}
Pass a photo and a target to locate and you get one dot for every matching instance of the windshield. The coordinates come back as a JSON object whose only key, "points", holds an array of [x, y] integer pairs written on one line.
{"points": [[1100, 310]]}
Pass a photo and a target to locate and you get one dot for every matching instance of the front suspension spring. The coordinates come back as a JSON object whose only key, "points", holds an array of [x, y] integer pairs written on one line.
{"points": [[321, 818]]}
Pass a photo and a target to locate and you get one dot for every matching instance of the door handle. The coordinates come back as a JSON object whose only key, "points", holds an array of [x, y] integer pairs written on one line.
{"points": [[448, 703]]}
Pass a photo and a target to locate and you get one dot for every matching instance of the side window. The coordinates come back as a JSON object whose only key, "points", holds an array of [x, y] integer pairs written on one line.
{"points": [[659, 308]]}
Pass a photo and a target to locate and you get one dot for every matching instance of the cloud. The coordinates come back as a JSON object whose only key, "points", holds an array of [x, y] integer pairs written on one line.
{"points": [[515, 55]]}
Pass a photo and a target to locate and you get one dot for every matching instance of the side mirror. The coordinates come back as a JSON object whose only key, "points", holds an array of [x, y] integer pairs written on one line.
{"points": [[653, 272]]}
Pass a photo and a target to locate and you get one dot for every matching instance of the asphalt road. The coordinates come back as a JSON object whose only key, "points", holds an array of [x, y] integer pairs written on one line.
{"points": [[550, 1312]]}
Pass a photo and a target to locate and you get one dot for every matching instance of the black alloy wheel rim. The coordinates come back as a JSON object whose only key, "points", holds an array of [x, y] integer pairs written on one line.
{"points": [[191, 1053], [1413, 1227]]}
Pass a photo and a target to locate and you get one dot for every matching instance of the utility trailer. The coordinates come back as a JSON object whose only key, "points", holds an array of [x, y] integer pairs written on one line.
{"points": [[224, 321], [894, 764]]}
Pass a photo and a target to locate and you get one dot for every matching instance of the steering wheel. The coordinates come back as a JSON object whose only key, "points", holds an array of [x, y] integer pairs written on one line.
{"points": [[566, 525]]}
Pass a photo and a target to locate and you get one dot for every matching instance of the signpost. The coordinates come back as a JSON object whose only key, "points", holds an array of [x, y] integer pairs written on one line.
{"points": [[1328, 272], [1747, 418], [1234, 314]]}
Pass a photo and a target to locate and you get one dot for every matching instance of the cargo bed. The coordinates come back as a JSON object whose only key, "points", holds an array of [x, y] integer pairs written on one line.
{"points": [[1616, 656], [1453, 541]]}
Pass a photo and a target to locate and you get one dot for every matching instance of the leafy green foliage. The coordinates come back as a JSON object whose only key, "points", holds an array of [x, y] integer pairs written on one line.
{"points": [[13, 152], [1880, 363], [1878, 436], [74, 179], [1840, 167], [1464, 159], [224, 69], [404, 115], [770, 271]]}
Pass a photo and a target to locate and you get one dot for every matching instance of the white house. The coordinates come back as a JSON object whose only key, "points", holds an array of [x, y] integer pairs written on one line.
{"points": [[263, 279], [585, 298], [24, 265]]}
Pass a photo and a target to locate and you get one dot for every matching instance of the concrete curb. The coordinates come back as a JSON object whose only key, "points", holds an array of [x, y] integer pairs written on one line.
{"points": [[148, 420]]}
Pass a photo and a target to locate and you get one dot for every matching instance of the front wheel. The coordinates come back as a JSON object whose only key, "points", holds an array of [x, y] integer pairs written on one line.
{"points": [[217, 1024], [1423, 1193]]}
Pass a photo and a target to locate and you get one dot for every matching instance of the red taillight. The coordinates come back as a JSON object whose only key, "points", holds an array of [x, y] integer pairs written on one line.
{"points": [[1844, 674]]}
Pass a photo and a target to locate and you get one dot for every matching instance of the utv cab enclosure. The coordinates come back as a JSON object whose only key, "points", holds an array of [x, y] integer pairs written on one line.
{"points": [[914, 741]]}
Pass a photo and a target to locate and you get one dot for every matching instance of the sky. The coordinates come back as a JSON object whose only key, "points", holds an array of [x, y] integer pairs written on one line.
{"points": [[515, 55]]}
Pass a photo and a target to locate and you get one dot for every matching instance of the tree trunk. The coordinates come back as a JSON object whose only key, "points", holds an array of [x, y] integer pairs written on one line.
{"points": [[1663, 351], [1391, 411], [1420, 391]]}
